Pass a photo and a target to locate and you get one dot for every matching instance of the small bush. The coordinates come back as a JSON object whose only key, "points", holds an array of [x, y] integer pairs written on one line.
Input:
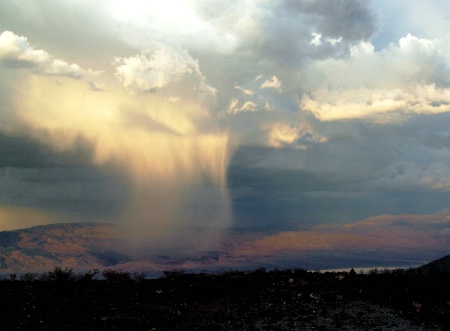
{"points": [[138, 276], [373, 271], [116, 275], [386, 271], [44, 277], [88, 275], [398, 271], [60, 275], [174, 273], [299, 271], [28, 276]]}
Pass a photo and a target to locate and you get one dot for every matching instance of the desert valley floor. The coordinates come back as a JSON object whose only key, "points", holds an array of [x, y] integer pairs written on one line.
{"points": [[258, 300]]}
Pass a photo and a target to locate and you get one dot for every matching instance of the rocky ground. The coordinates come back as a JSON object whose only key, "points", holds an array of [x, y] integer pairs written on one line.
{"points": [[258, 300]]}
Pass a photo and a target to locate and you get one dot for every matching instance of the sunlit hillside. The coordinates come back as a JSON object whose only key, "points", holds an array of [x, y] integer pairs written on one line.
{"points": [[384, 241]]}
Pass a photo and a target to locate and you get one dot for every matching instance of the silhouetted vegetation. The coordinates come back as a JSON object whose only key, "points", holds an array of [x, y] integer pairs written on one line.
{"points": [[116, 275], [172, 274], [28, 276], [87, 276], [234, 300], [68, 274], [373, 271], [138, 276], [58, 274]]}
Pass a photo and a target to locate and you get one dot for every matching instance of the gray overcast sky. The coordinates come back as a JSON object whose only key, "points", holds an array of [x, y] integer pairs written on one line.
{"points": [[272, 114]]}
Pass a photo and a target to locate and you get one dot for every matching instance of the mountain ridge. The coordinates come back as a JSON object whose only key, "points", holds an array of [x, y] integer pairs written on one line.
{"points": [[386, 240]]}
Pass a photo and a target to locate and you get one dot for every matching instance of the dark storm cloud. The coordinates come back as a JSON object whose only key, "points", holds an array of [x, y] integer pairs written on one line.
{"points": [[287, 199], [362, 169], [328, 127], [290, 30], [23, 152], [330, 16], [34, 176]]}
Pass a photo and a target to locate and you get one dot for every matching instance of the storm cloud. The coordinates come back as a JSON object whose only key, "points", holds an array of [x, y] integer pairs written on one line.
{"points": [[211, 113]]}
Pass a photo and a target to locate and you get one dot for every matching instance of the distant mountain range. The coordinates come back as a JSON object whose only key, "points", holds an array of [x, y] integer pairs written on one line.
{"points": [[383, 241]]}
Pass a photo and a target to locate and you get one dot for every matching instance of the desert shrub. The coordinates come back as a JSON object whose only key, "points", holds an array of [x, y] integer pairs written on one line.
{"points": [[373, 271], [138, 276], [28, 276], [43, 277], [386, 271], [234, 273], [88, 275], [116, 275], [398, 271], [59, 274], [299, 271], [174, 273], [257, 273]]}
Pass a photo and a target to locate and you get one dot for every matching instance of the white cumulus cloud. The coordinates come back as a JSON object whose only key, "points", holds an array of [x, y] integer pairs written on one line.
{"points": [[411, 76], [165, 70], [16, 52]]}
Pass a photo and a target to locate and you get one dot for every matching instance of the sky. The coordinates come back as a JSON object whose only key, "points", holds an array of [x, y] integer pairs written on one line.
{"points": [[251, 114]]}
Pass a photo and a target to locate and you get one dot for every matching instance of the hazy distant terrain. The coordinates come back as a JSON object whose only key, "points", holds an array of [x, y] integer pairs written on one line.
{"points": [[383, 241]]}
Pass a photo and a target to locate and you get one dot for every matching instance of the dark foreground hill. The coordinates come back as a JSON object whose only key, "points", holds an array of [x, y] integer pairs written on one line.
{"points": [[258, 300], [439, 265]]}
